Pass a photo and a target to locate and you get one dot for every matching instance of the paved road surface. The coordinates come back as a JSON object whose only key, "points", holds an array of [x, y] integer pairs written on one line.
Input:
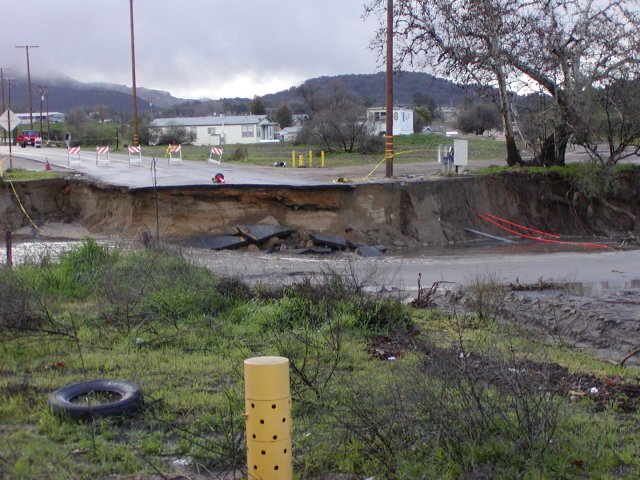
{"points": [[120, 172]]}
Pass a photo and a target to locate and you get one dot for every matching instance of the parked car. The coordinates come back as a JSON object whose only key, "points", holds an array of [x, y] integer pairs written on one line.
{"points": [[29, 137]]}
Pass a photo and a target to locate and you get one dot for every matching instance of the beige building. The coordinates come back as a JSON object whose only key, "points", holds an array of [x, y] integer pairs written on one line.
{"points": [[221, 129]]}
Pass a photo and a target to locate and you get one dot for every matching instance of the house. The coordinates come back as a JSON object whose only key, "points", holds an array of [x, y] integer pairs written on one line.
{"points": [[402, 120], [289, 134], [52, 117], [220, 129], [448, 114]]}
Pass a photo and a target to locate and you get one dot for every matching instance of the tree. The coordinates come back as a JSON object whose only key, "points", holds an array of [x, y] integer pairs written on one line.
{"points": [[101, 112], [423, 100], [478, 118], [339, 125], [461, 39], [612, 114], [310, 97], [173, 134], [421, 118], [76, 119], [563, 46], [572, 47], [283, 116], [257, 106]]}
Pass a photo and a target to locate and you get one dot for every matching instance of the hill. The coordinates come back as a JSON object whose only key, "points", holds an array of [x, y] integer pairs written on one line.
{"points": [[371, 89], [65, 94]]}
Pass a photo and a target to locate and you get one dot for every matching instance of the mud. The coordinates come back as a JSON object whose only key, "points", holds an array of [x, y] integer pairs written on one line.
{"points": [[415, 218], [401, 213]]}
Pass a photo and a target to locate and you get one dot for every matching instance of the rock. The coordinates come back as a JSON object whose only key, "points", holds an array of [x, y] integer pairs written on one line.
{"points": [[269, 220]]}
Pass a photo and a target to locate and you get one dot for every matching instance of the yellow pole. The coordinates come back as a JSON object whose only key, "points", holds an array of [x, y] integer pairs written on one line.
{"points": [[310, 158], [322, 158], [301, 161], [268, 415], [293, 158]]}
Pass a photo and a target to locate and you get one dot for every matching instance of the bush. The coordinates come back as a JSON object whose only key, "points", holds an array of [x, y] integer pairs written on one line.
{"points": [[240, 153]]}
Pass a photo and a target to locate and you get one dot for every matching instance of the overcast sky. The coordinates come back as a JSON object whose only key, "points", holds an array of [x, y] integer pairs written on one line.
{"points": [[191, 48]]}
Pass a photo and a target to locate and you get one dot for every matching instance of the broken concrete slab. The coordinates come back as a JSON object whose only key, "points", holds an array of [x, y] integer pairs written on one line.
{"points": [[223, 242], [262, 233], [328, 241], [367, 250], [303, 251]]}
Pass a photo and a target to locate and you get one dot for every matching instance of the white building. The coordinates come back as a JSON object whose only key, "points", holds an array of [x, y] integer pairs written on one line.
{"points": [[54, 117], [220, 129], [402, 120]]}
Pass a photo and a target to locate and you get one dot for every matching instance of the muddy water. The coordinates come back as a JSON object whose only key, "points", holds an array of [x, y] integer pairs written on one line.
{"points": [[587, 271]]}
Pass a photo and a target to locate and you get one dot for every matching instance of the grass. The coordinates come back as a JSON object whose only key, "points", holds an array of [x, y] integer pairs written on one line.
{"points": [[18, 174], [182, 335], [408, 149]]}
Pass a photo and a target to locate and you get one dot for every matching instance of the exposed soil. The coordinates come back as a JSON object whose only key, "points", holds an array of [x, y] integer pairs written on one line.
{"points": [[611, 392], [397, 214]]}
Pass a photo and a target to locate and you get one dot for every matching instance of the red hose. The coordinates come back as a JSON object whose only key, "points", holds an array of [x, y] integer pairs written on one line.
{"points": [[488, 218], [502, 220]]}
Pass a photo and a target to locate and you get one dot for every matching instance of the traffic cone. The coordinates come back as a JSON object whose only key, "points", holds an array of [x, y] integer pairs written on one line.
{"points": [[46, 164]]}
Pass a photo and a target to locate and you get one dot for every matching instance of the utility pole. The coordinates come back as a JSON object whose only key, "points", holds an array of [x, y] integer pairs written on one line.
{"points": [[134, 120], [4, 133], [46, 93], [41, 90], [27, 47], [9, 124], [151, 100], [388, 148]]}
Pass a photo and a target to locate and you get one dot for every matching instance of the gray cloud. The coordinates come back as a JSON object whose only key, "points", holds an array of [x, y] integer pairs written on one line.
{"points": [[192, 48]]}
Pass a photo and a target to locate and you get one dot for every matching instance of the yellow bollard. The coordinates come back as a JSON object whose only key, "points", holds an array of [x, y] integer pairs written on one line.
{"points": [[301, 161], [293, 158], [322, 158], [310, 158], [268, 414]]}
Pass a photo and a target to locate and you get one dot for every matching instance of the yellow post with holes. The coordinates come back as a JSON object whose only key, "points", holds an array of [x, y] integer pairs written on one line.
{"points": [[322, 158], [301, 161], [293, 158], [267, 403], [310, 158]]}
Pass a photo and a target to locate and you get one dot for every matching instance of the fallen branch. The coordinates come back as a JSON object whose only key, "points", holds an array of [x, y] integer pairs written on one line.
{"points": [[635, 352], [425, 298]]}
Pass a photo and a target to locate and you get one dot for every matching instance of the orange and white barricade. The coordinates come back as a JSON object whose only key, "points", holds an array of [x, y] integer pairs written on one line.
{"points": [[215, 151], [102, 155], [135, 154], [177, 151], [73, 160]]}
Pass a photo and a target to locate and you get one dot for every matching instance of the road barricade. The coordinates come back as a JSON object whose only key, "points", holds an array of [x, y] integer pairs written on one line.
{"points": [[73, 160], [135, 154], [102, 155], [215, 151], [174, 152]]}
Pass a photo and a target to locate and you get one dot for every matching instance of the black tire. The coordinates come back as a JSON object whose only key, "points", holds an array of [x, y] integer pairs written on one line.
{"points": [[130, 399]]}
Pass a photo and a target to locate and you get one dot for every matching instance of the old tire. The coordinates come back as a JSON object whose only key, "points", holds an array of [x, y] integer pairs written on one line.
{"points": [[128, 399]]}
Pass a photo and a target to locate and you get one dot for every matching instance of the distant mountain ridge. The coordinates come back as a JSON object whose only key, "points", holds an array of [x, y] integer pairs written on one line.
{"points": [[65, 94], [372, 88]]}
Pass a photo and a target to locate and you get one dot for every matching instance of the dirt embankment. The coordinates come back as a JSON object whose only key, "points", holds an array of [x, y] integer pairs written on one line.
{"points": [[395, 213]]}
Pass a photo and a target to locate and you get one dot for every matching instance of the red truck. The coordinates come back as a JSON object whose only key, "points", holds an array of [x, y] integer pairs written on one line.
{"points": [[29, 137]]}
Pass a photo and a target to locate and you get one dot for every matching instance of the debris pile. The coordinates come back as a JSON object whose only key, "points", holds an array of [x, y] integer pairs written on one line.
{"points": [[274, 238]]}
